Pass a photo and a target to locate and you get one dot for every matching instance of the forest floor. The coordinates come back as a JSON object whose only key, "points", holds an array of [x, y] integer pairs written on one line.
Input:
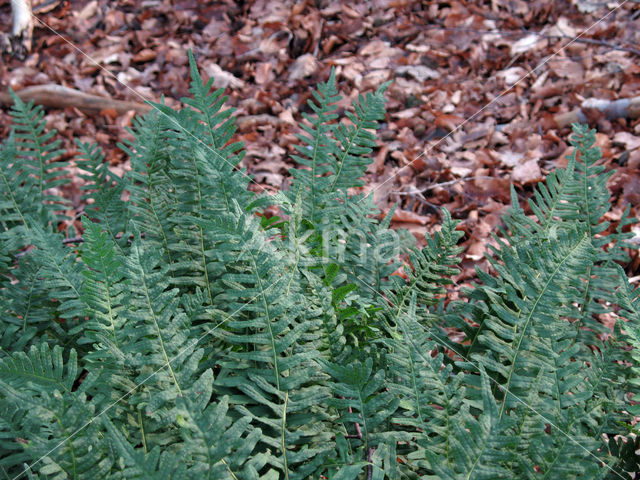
{"points": [[477, 101]]}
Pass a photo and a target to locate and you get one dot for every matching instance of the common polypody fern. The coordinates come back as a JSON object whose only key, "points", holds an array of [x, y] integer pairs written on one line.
{"points": [[187, 335]]}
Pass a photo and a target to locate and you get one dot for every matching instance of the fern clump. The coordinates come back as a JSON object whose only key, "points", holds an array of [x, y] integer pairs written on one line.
{"points": [[186, 335]]}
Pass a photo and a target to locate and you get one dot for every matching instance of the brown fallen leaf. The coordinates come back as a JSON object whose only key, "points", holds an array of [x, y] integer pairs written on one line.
{"points": [[264, 73], [145, 55], [527, 172], [419, 72], [409, 217], [304, 66], [448, 121]]}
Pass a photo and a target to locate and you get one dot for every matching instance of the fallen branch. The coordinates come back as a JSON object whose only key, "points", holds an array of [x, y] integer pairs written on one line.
{"points": [[523, 33], [613, 109], [57, 96]]}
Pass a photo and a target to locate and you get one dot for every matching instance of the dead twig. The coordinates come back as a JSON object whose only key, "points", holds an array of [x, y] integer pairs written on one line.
{"points": [[588, 41], [613, 109], [57, 96], [444, 184]]}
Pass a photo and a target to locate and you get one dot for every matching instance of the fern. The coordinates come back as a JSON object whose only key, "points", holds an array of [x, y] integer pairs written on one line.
{"points": [[29, 172], [185, 335], [105, 192]]}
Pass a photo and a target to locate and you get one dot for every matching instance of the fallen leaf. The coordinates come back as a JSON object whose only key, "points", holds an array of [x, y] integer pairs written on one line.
{"points": [[264, 73], [222, 78], [511, 75], [145, 55], [409, 217], [509, 158], [628, 141], [304, 66], [527, 172], [419, 72], [525, 44]]}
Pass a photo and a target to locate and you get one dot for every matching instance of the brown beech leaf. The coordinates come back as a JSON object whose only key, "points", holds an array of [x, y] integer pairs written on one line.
{"points": [[527, 172], [409, 217], [304, 66]]}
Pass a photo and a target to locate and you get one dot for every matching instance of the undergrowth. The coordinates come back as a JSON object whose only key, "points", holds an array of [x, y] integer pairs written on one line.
{"points": [[187, 335]]}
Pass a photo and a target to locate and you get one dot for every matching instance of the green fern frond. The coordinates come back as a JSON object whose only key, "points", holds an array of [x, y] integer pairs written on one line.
{"points": [[430, 395], [527, 307], [220, 448], [40, 385], [156, 465], [359, 397], [431, 267], [61, 274], [42, 368], [105, 190], [334, 155], [219, 126], [103, 292], [156, 326], [27, 315], [577, 197], [270, 361], [37, 152], [29, 172], [629, 300], [480, 446]]}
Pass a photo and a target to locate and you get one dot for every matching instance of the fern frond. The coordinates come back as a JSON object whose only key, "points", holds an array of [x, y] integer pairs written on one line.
{"points": [[334, 155], [27, 317], [156, 465], [38, 152], [105, 191], [629, 300], [271, 359], [103, 292], [431, 267], [156, 326], [577, 197], [152, 199], [360, 398], [42, 368], [219, 126], [430, 395], [319, 149], [528, 306], [62, 274], [40, 385], [29, 172], [220, 448], [480, 447]]}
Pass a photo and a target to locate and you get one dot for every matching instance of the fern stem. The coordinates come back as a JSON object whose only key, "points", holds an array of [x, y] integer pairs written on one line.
{"points": [[69, 442], [204, 258], [159, 333], [268, 321], [284, 426], [364, 420], [143, 435]]}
